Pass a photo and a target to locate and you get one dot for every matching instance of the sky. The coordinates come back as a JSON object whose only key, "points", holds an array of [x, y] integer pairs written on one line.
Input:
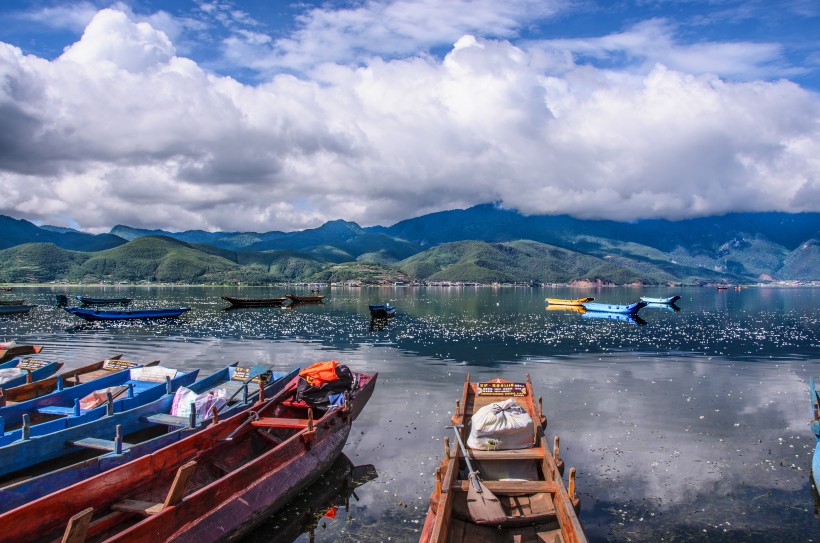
{"points": [[279, 115]]}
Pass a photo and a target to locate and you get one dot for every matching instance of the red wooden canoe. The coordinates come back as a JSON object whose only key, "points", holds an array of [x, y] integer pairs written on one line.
{"points": [[10, 350], [214, 485]]}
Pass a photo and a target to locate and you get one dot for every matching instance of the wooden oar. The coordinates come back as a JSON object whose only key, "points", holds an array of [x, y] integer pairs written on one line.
{"points": [[482, 504]]}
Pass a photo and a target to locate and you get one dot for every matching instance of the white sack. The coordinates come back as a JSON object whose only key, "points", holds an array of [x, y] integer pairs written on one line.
{"points": [[501, 425]]}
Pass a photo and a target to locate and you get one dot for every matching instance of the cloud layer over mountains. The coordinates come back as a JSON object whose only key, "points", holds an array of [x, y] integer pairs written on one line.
{"points": [[123, 129]]}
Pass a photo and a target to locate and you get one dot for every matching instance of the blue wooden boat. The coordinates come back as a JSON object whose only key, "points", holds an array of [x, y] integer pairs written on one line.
{"points": [[86, 300], [631, 318], [113, 442], [15, 309], [382, 311], [33, 443], [113, 315], [669, 300], [815, 426], [19, 371], [613, 308]]}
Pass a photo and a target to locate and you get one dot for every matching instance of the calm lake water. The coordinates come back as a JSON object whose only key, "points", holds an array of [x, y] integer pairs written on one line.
{"points": [[692, 426]]}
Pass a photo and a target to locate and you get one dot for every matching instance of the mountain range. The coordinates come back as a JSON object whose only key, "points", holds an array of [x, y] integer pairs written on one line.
{"points": [[484, 244]]}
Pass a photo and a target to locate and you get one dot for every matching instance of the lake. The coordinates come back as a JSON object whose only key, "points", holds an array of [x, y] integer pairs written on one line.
{"points": [[689, 426]]}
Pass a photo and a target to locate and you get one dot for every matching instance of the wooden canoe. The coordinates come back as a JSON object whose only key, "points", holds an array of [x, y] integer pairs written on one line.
{"points": [[30, 370], [12, 302], [15, 309], [614, 308], [669, 300], [305, 299], [211, 486], [12, 349], [561, 301], [68, 378], [116, 315], [538, 507], [122, 437], [254, 302]]}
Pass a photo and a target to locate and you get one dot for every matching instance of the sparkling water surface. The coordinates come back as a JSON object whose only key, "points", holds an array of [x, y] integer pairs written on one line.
{"points": [[687, 425]]}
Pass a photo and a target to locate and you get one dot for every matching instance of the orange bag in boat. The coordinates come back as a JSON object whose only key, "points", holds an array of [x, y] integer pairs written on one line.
{"points": [[320, 373]]}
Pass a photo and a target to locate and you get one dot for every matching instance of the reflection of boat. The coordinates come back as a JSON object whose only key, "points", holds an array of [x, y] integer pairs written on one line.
{"points": [[723, 287], [575, 302], [15, 309], [624, 317], [111, 315], [143, 430], [668, 307], [16, 372], [669, 300], [11, 349], [86, 300], [317, 502], [815, 426], [526, 481], [254, 302], [574, 308], [382, 311], [12, 302], [305, 299], [213, 485], [614, 308]]}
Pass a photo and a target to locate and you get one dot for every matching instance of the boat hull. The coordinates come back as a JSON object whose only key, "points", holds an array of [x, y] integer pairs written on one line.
{"points": [[613, 308], [669, 300], [15, 309], [382, 311], [96, 315]]}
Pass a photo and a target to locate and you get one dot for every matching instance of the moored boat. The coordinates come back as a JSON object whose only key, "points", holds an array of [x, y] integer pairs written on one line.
{"points": [[12, 302], [19, 371], [614, 308], [122, 437], [305, 299], [11, 349], [254, 302], [382, 311], [573, 302], [87, 300], [669, 300], [15, 309], [514, 487], [213, 485], [68, 378], [113, 315]]}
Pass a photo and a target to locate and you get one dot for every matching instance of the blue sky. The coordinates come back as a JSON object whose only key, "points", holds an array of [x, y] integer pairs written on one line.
{"points": [[283, 115]]}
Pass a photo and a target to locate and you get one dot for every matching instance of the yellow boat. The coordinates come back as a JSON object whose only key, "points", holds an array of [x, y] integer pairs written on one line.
{"points": [[575, 302]]}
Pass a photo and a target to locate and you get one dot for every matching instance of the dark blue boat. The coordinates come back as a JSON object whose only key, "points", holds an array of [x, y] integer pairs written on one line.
{"points": [[153, 419], [86, 300], [113, 315], [39, 369], [614, 308], [382, 311]]}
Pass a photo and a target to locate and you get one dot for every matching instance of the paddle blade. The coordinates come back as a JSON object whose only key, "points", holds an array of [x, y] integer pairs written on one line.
{"points": [[484, 506]]}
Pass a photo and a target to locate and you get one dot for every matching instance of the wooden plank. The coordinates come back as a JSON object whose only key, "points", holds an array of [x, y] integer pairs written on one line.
{"points": [[170, 420], [99, 444], [175, 495], [511, 487], [533, 453], [77, 527], [271, 422]]}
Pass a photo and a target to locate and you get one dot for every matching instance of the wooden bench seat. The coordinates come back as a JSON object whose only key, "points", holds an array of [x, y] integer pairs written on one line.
{"points": [[170, 420], [271, 422], [99, 444], [510, 488], [175, 495], [533, 453]]}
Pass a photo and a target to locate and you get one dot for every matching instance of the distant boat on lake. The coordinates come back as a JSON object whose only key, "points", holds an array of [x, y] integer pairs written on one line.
{"points": [[15, 309], [254, 302], [12, 302], [669, 300], [614, 308], [574, 302], [305, 299], [382, 311], [111, 315]]}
